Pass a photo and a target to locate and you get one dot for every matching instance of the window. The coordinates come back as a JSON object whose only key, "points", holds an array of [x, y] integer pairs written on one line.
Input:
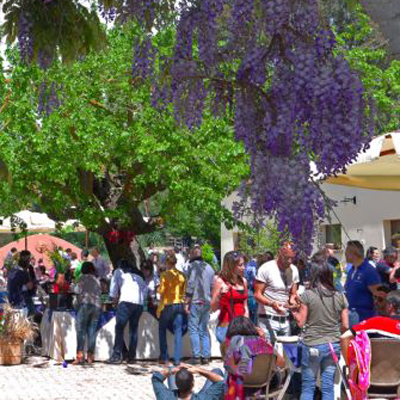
{"points": [[395, 232], [333, 234]]}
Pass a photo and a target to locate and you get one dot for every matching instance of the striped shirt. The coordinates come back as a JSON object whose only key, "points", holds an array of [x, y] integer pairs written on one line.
{"points": [[275, 288]]}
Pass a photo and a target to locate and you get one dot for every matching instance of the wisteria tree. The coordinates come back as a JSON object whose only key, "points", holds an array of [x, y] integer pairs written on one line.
{"points": [[295, 99], [82, 141]]}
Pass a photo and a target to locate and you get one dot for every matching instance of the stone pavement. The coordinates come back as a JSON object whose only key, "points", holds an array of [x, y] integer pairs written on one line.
{"points": [[41, 379]]}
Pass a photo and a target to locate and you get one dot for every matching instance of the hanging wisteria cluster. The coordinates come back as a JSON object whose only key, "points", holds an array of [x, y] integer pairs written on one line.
{"points": [[25, 39], [51, 97], [294, 100], [108, 14], [273, 63]]}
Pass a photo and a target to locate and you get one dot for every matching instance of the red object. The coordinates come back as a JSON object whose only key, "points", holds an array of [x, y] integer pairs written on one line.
{"points": [[116, 236], [232, 304], [61, 288], [128, 236], [37, 245], [380, 325], [113, 236]]}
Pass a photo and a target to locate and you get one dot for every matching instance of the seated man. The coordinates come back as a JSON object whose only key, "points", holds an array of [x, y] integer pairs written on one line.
{"points": [[386, 266], [384, 326], [184, 380]]}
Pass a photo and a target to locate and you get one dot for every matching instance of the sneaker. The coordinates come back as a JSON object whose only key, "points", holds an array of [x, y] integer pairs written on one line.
{"points": [[177, 363], [114, 360], [194, 361], [205, 361], [131, 360], [162, 361]]}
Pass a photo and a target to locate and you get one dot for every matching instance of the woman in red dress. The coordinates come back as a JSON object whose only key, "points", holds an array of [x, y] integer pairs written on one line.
{"points": [[229, 293]]}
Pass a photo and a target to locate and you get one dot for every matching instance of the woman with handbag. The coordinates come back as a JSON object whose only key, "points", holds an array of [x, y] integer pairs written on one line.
{"points": [[229, 293], [89, 292], [324, 315]]}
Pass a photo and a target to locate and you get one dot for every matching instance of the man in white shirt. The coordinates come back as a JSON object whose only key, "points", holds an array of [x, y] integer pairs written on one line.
{"points": [[102, 267], [74, 261], [129, 290], [275, 290], [180, 260]]}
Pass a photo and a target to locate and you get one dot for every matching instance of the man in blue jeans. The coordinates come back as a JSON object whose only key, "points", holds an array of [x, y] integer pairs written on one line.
{"points": [[181, 384], [200, 280], [129, 289]]}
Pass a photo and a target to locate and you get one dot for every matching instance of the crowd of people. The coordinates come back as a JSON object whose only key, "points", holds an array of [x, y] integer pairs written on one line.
{"points": [[262, 299], [258, 299]]}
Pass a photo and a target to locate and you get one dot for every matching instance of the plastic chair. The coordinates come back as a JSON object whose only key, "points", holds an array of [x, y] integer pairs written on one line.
{"points": [[385, 368], [261, 376]]}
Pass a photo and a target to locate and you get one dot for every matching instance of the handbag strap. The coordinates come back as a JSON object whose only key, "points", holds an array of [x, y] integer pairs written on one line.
{"points": [[232, 307]]}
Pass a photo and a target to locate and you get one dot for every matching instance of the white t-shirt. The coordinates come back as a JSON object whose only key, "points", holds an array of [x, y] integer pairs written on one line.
{"points": [[130, 287], [74, 264], [275, 289], [180, 263]]}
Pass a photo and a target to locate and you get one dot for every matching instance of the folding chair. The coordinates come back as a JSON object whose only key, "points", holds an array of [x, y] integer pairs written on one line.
{"points": [[385, 368], [261, 376]]}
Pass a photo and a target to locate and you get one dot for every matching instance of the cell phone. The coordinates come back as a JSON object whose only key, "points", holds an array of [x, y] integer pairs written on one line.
{"points": [[397, 274]]}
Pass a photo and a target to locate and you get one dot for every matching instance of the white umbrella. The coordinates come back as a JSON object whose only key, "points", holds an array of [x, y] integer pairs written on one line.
{"points": [[36, 222], [378, 168]]}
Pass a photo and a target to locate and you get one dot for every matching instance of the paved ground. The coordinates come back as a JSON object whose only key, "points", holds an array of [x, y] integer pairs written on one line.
{"points": [[41, 379]]}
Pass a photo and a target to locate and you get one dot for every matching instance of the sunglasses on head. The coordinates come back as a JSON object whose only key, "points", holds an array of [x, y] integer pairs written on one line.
{"points": [[236, 254]]}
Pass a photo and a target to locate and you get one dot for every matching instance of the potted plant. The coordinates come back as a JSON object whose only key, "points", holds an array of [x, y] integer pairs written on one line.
{"points": [[15, 328], [60, 298], [61, 264]]}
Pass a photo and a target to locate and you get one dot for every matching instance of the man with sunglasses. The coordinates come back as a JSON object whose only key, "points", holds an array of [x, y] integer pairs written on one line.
{"points": [[275, 290]]}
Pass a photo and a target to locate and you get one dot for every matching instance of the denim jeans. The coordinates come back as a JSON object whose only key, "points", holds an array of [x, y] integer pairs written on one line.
{"points": [[29, 304], [253, 308], [127, 312], [313, 359], [354, 318], [360, 314], [171, 313], [198, 330], [220, 333], [86, 324], [278, 328]]}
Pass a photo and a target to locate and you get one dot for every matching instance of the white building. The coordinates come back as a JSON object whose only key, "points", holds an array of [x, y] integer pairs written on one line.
{"points": [[371, 216]]}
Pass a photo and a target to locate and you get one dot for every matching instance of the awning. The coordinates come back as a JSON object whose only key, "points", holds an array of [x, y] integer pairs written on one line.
{"points": [[378, 168]]}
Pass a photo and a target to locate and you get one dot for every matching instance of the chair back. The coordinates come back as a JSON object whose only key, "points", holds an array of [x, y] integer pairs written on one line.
{"points": [[385, 362], [263, 369]]}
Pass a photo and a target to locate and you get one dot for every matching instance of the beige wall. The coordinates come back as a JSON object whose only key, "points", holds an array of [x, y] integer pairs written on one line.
{"points": [[367, 221]]}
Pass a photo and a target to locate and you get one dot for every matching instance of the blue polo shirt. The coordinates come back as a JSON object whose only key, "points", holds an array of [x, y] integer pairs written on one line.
{"points": [[358, 295]]}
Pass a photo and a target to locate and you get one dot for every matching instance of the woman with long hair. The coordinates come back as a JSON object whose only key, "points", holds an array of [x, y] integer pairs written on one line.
{"points": [[172, 292], [244, 342], [89, 292], [229, 293], [323, 313]]}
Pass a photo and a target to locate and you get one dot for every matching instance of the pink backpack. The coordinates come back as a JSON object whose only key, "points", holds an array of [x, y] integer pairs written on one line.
{"points": [[359, 356]]}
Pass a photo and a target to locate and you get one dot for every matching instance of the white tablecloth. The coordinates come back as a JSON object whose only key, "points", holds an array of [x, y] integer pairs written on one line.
{"points": [[59, 338]]}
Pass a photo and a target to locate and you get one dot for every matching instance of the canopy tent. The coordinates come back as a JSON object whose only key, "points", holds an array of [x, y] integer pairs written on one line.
{"points": [[378, 168], [37, 222], [38, 244]]}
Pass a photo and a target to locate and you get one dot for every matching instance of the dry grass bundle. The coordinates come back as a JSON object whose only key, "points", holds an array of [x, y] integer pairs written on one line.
{"points": [[15, 326]]}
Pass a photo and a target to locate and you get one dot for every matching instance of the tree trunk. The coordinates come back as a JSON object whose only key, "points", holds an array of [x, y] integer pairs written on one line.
{"points": [[121, 249]]}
